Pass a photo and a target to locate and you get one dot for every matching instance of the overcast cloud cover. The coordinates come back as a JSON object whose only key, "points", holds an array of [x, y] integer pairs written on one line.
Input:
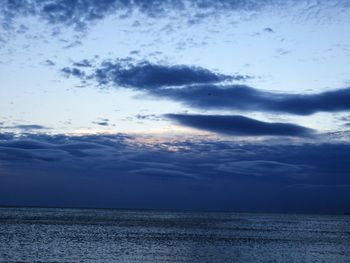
{"points": [[123, 171], [215, 105]]}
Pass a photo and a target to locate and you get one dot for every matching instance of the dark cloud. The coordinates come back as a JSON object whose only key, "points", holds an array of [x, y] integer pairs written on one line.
{"points": [[345, 120], [134, 52], [102, 122], [73, 72], [239, 125], [49, 62], [263, 168], [123, 171], [164, 173], [30, 127], [269, 30], [25, 127], [74, 13], [315, 186], [145, 75], [26, 144], [62, 16], [80, 14], [238, 97], [6, 136], [204, 89], [152, 117], [84, 63]]}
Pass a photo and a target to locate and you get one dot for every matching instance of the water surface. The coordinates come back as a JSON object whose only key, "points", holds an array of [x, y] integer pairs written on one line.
{"points": [[88, 235]]}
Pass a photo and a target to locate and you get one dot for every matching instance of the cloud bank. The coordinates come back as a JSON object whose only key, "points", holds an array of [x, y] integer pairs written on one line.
{"points": [[203, 89], [121, 171], [239, 125], [148, 76]]}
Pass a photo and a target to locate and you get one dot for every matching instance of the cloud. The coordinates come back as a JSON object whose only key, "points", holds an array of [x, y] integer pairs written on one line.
{"points": [[263, 168], [30, 127], [152, 117], [49, 148], [82, 14], [26, 144], [316, 186], [49, 63], [244, 98], [25, 127], [239, 125], [102, 122], [269, 30], [73, 72], [122, 171], [77, 14], [84, 64], [164, 173], [147, 76], [203, 89]]}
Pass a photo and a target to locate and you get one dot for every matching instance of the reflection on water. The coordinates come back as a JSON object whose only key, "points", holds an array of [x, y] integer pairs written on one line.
{"points": [[82, 235]]}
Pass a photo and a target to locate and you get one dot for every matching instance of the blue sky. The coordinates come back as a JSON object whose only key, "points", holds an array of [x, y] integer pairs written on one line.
{"points": [[223, 105]]}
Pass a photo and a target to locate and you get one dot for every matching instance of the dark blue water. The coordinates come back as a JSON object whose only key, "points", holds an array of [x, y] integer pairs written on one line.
{"points": [[82, 235]]}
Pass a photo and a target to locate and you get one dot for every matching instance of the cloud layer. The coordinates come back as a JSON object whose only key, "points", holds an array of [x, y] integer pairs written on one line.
{"points": [[201, 88], [244, 98], [148, 76], [239, 125], [127, 171], [80, 14]]}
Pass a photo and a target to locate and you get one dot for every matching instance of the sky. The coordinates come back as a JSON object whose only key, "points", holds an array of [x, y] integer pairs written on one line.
{"points": [[233, 105]]}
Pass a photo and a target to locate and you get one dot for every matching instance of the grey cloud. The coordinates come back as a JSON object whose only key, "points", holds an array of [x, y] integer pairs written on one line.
{"points": [[102, 122], [239, 125], [164, 173], [49, 62], [128, 171], [263, 168], [148, 76], [239, 97], [200, 88], [73, 72], [25, 127], [83, 63], [269, 30], [30, 127], [82, 14], [152, 117]]}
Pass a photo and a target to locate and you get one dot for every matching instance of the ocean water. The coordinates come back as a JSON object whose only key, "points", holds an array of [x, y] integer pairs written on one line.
{"points": [[87, 235]]}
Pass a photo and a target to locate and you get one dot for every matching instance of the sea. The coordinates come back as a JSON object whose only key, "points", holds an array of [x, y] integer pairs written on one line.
{"points": [[108, 235]]}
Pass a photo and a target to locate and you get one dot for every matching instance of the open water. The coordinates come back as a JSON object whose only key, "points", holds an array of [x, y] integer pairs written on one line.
{"points": [[89, 235]]}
